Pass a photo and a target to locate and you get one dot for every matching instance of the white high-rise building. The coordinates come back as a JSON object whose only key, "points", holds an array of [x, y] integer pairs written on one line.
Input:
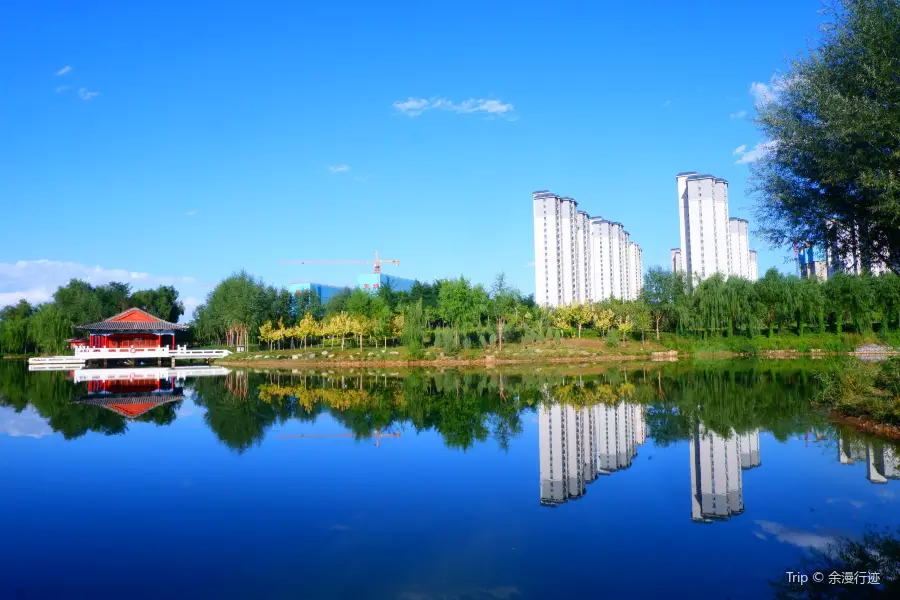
{"points": [[583, 262], [609, 254], [581, 259], [716, 480], [703, 217], [569, 245], [547, 249], [739, 248], [635, 271], [677, 265], [754, 266]]}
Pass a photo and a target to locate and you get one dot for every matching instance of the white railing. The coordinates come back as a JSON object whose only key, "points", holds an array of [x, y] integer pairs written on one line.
{"points": [[84, 353], [130, 374]]}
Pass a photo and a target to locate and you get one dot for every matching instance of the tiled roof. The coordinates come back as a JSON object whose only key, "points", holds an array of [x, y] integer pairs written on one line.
{"points": [[133, 319], [132, 405]]}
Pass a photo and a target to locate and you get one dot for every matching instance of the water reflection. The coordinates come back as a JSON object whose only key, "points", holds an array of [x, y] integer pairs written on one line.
{"points": [[716, 478], [579, 443]]}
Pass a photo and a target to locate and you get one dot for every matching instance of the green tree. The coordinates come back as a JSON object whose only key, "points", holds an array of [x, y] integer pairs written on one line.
{"points": [[414, 329], [14, 327], [832, 124], [114, 298], [503, 305], [457, 304], [78, 303], [162, 302], [308, 302], [659, 294]]}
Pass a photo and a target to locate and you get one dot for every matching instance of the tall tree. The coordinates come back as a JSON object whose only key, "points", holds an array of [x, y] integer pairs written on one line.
{"points": [[659, 294], [833, 127], [162, 302], [456, 303]]}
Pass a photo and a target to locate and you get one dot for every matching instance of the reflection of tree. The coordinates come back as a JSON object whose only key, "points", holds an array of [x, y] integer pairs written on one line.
{"points": [[164, 414], [51, 395], [240, 422], [465, 408], [877, 552]]}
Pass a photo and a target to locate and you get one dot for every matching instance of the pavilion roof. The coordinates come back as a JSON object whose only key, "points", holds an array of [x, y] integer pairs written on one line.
{"points": [[133, 319], [130, 406]]}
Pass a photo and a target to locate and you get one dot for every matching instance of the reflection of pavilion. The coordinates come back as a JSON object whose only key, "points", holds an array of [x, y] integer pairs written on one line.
{"points": [[716, 478], [132, 397], [578, 443]]}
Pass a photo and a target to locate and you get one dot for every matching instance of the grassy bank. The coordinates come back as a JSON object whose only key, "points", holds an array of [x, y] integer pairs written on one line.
{"points": [[865, 394], [566, 350], [571, 350]]}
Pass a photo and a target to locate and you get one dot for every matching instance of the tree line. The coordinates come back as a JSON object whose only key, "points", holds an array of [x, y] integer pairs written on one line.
{"points": [[455, 314], [452, 314], [776, 303], [45, 327]]}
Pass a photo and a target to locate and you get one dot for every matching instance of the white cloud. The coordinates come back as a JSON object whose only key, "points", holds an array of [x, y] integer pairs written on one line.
{"points": [[739, 150], [37, 280], [64, 70], [27, 423], [667, 103], [338, 168], [763, 93], [758, 151], [61, 88], [738, 115], [796, 537], [191, 213], [413, 107], [361, 178], [86, 95]]}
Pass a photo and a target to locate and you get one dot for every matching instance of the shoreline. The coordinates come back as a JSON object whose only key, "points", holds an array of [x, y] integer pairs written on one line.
{"points": [[656, 357], [885, 430]]}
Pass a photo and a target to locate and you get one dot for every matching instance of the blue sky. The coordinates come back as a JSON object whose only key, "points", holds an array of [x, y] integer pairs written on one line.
{"points": [[182, 144]]}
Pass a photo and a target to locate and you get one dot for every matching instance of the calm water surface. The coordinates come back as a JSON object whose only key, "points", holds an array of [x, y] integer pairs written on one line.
{"points": [[669, 481]]}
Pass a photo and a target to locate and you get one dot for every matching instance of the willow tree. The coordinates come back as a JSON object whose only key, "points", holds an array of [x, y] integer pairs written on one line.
{"points": [[833, 130]]}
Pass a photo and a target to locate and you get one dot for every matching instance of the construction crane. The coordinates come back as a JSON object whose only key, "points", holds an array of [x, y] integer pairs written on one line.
{"points": [[317, 436], [378, 262]]}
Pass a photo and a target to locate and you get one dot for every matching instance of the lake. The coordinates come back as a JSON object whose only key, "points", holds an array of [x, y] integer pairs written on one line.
{"points": [[673, 480]]}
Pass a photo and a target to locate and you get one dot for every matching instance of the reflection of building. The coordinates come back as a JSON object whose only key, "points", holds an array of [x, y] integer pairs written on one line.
{"points": [[561, 440], [620, 429], [850, 451], [578, 443], [133, 397], [881, 464], [715, 476], [749, 443]]}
